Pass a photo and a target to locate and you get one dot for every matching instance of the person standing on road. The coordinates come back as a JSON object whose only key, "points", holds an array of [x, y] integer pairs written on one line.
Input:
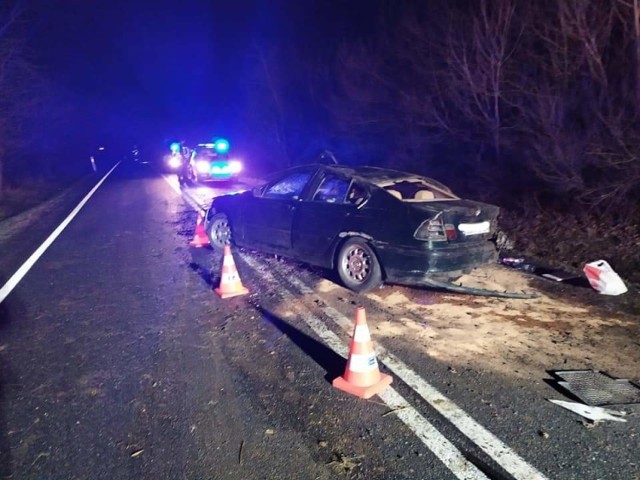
{"points": [[185, 157]]}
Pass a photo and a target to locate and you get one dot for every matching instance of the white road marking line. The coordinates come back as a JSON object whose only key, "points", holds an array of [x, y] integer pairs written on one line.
{"points": [[172, 184], [448, 454], [189, 199], [487, 441], [15, 279]]}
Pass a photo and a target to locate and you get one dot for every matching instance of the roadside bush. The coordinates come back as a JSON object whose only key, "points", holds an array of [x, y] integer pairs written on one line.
{"points": [[571, 240]]}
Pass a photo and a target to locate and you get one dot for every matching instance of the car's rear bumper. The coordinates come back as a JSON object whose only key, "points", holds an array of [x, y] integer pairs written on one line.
{"points": [[411, 265]]}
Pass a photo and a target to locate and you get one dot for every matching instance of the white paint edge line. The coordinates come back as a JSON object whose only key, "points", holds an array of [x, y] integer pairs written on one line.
{"points": [[487, 441], [442, 448], [188, 198], [506, 457], [17, 277], [172, 184]]}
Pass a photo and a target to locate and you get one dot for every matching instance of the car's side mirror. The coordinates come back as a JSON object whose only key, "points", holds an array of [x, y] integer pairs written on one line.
{"points": [[257, 191]]}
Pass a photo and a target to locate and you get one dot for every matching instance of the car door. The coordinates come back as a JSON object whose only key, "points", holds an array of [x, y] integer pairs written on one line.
{"points": [[269, 216], [328, 211]]}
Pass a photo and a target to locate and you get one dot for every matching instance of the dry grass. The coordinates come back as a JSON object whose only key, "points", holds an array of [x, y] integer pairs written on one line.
{"points": [[17, 199]]}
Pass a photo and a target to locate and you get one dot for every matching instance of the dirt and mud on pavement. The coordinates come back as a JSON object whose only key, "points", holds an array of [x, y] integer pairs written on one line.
{"points": [[118, 358], [515, 337], [567, 326]]}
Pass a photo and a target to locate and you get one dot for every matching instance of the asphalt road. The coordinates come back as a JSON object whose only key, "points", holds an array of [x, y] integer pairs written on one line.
{"points": [[119, 361]]}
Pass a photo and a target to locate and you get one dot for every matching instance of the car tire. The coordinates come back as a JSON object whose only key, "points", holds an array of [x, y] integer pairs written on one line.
{"points": [[219, 231], [358, 266]]}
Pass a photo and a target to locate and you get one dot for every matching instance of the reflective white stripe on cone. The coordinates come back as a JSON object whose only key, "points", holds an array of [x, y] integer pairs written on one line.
{"points": [[362, 376], [230, 284]]}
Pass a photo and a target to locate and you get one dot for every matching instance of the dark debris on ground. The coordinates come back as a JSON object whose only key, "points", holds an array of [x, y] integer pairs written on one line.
{"points": [[568, 242]]}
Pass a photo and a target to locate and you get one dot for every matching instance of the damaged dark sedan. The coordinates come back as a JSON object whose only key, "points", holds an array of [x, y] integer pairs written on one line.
{"points": [[371, 225]]}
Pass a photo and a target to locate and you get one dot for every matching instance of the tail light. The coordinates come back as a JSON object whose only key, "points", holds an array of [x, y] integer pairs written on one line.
{"points": [[452, 232], [433, 230]]}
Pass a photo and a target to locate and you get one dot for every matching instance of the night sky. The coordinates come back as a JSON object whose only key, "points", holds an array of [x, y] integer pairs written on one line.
{"points": [[375, 81], [149, 71], [139, 71]]}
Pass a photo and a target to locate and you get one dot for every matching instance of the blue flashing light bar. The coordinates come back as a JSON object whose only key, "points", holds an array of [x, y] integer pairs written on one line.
{"points": [[221, 145]]}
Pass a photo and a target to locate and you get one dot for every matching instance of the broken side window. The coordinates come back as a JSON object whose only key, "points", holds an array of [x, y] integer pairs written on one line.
{"points": [[357, 194], [332, 189], [290, 186]]}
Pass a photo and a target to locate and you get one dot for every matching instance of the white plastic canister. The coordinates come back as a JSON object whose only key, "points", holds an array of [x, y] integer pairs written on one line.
{"points": [[603, 279]]}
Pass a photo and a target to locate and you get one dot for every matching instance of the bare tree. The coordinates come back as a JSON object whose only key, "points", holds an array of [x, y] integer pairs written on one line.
{"points": [[282, 101], [578, 108], [545, 93], [272, 83], [478, 47]]}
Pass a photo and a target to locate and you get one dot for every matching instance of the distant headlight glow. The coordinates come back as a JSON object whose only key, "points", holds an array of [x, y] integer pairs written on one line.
{"points": [[235, 166], [203, 166], [174, 162]]}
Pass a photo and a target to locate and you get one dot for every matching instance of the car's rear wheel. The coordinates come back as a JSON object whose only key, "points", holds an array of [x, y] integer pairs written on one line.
{"points": [[358, 266], [219, 231]]}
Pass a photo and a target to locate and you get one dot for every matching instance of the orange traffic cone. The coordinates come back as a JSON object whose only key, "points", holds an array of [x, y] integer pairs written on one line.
{"points": [[200, 238], [230, 284], [362, 376]]}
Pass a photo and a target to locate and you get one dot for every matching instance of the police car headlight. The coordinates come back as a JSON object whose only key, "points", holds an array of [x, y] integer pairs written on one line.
{"points": [[174, 162], [202, 166], [235, 166]]}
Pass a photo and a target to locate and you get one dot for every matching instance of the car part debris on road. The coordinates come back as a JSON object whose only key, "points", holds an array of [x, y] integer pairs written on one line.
{"points": [[598, 388], [595, 414], [519, 263], [477, 291], [554, 274]]}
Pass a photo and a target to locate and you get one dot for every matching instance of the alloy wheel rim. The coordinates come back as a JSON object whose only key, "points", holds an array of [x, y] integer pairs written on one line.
{"points": [[221, 232], [357, 264]]}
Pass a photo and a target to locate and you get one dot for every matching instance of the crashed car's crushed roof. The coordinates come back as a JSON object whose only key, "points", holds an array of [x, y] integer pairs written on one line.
{"points": [[381, 175], [384, 178], [370, 174]]}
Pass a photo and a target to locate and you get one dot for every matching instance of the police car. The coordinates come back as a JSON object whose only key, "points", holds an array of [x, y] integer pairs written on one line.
{"points": [[211, 162]]}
